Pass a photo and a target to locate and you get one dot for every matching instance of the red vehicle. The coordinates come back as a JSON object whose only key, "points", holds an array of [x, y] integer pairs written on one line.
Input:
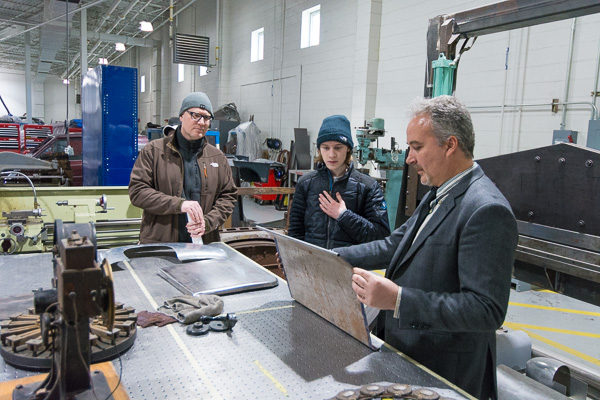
{"points": [[54, 148]]}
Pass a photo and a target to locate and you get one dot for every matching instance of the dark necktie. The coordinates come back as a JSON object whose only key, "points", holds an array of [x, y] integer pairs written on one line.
{"points": [[423, 212]]}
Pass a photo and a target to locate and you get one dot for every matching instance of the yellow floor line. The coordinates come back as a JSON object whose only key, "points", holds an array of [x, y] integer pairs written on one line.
{"points": [[188, 354], [141, 285], [553, 343], [567, 310], [557, 330], [268, 375], [265, 309]]}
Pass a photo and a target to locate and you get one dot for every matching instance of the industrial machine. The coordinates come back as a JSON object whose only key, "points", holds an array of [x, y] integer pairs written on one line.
{"points": [[59, 323], [17, 168], [389, 162], [27, 227], [552, 193]]}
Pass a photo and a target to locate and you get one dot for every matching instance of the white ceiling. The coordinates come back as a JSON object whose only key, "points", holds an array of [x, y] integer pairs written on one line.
{"points": [[108, 21]]}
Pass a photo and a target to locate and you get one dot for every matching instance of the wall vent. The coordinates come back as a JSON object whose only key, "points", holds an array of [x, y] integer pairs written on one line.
{"points": [[191, 49]]}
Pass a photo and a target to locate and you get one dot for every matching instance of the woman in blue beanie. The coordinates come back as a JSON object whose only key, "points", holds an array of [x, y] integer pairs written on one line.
{"points": [[335, 205]]}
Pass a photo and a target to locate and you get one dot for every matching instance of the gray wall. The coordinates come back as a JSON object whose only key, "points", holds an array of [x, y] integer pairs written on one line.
{"points": [[370, 63]]}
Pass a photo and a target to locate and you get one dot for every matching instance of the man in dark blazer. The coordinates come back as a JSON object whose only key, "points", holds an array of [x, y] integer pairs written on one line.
{"points": [[447, 282]]}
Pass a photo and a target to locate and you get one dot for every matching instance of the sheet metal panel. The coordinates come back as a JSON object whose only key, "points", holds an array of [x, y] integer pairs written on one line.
{"points": [[321, 281]]}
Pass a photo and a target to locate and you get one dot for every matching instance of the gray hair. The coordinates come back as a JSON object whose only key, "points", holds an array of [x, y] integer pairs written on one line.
{"points": [[449, 117]]}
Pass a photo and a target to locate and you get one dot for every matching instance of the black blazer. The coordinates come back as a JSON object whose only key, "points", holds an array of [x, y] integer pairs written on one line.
{"points": [[455, 282]]}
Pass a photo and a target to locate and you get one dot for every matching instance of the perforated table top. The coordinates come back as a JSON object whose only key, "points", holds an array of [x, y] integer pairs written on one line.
{"points": [[278, 349]]}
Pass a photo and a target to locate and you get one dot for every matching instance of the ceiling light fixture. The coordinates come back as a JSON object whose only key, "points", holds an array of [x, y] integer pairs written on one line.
{"points": [[102, 61], [66, 81], [119, 46], [146, 26]]}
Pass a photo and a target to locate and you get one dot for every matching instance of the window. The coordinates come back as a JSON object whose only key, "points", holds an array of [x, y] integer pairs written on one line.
{"points": [[203, 71], [311, 27], [257, 46], [180, 71], [143, 83]]}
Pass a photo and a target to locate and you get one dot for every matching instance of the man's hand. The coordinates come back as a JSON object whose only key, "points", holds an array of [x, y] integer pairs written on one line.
{"points": [[195, 225], [196, 228], [374, 290], [331, 207]]}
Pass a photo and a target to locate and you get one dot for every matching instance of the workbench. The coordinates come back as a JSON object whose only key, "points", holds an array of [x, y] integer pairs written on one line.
{"points": [[278, 348]]}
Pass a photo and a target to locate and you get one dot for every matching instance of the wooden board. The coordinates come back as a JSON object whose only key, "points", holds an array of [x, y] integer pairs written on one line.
{"points": [[6, 388]]}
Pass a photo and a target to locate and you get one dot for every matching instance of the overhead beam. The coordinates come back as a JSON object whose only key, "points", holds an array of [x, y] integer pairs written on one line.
{"points": [[128, 40], [445, 31], [508, 15]]}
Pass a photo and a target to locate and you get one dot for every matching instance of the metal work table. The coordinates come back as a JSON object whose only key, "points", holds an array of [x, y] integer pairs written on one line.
{"points": [[278, 348]]}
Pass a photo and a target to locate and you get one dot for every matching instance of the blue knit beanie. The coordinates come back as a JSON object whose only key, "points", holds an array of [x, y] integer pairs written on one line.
{"points": [[196, 99], [337, 128]]}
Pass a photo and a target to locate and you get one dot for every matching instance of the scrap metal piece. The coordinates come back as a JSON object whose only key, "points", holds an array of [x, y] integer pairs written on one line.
{"points": [[372, 390], [425, 394], [398, 389], [348, 395], [183, 251]]}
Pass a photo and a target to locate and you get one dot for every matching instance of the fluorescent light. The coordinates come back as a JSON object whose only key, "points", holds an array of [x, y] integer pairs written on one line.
{"points": [[66, 81], [119, 47], [146, 26], [102, 61]]}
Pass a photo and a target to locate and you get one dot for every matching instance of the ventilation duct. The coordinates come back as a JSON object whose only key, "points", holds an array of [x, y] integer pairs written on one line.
{"points": [[191, 49], [53, 35]]}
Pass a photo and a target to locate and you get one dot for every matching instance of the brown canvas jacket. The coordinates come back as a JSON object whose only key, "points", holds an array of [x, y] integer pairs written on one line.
{"points": [[156, 185]]}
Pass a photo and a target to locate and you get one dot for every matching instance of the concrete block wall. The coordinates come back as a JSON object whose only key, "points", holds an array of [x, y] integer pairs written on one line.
{"points": [[13, 92], [370, 63], [533, 72]]}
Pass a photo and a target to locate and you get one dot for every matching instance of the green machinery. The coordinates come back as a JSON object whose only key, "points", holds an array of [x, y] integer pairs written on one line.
{"points": [[389, 162], [27, 226], [443, 75]]}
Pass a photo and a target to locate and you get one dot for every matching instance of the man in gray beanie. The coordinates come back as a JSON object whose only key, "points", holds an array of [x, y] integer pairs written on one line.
{"points": [[182, 182]]}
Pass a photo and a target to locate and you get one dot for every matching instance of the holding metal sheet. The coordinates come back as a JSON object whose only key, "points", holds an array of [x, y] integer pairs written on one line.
{"points": [[321, 281]]}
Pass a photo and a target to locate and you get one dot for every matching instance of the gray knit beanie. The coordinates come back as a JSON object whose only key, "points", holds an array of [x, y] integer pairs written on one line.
{"points": [[337, 128], [196, 99]]}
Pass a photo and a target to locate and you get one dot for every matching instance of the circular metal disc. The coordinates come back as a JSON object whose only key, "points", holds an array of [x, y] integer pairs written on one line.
{"points": [[218, 326], [372, 390], [425, 394], [197, 329], [398, 389]]}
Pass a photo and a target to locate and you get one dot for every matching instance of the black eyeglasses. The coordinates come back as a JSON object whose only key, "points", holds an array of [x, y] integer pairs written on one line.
{"points": [[196, 116]]}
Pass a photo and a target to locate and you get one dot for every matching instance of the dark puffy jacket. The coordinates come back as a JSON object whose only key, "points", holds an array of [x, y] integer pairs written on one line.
{"points": [[365, 219]]}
